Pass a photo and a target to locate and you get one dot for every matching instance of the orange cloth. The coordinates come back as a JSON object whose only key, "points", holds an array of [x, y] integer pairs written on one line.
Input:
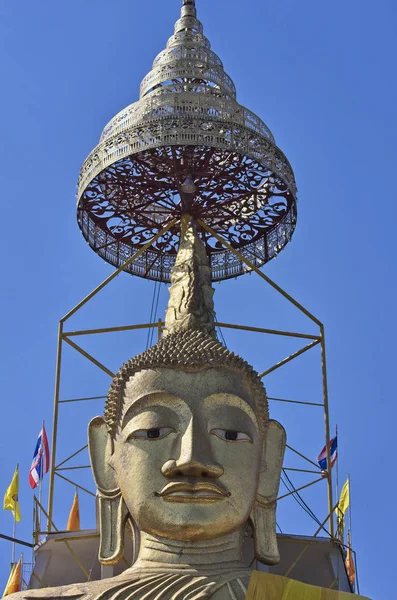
{"points": [[14, 581], [265, 586], [74, 516], [351, 571]]}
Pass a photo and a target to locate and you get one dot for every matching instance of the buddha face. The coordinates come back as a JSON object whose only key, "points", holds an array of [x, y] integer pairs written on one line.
{"points": [[187, 452]]}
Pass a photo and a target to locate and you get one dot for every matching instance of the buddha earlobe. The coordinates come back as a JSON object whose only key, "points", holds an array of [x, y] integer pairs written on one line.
{"points": [[263, 514], [113, 512], [113, 515]]}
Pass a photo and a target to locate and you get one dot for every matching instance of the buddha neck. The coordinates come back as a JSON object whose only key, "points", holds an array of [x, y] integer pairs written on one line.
{"points": [[223, 552]]}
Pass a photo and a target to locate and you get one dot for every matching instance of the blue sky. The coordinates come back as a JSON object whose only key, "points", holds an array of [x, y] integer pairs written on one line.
{"points": [[322, 76]]}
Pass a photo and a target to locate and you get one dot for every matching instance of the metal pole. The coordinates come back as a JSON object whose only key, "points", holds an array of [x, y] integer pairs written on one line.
{"points": [[338, 533], [302, 487], [258, 271], [337, 486], [19, 542], [289, 358], [355, 563], [55, 426], [14, 531], [160, 328], [350, 512], [88, 356], [119, 270], [72, 552], [288, 572], [327, 430], [34, 530], [14, 525], [41, 472]]}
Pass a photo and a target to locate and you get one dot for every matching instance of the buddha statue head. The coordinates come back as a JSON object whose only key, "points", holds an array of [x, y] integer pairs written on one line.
{"points": [[186, 450]]}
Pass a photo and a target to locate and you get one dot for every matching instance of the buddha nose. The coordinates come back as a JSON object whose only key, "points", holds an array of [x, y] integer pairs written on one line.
{"points": [[195, 457]]}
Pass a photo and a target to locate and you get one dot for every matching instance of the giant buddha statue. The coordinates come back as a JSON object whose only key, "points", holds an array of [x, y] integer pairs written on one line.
{"points": [[185, 456]]}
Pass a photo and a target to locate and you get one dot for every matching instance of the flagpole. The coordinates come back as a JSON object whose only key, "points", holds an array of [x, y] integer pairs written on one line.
{"points": [[34, 528], [350, 510], [351, 537], [337, 496], [21, 577], [14, 525], [41, 473], [14, 533], [337, 484]]}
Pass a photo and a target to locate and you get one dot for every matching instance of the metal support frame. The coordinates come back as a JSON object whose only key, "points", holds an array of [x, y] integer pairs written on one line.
{"points": [[61, 338], [307, 546], [65, 336], [72, 552]]}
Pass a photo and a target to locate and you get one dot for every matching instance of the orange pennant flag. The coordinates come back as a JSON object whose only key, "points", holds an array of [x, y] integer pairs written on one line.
{"points": [[351, 571], [74, 516], [14, 581]]}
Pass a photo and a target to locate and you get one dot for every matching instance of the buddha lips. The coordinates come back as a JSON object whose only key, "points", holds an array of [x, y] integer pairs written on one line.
{"points": [[195, 493]]}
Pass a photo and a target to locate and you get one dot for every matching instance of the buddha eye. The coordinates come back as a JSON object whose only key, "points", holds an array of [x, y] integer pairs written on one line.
{"points": [[151, 434], [230, 435]]}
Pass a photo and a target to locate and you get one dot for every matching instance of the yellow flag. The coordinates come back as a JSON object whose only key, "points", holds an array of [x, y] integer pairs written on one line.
{"points": [[14, 580], [344, 500], [11, 497], [74, 516]]}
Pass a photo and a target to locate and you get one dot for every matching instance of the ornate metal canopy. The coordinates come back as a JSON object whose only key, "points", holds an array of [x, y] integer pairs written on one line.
{"points": [[186, 147]]}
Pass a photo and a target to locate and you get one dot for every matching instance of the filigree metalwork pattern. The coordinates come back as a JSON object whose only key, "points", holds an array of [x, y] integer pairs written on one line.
{"points": [[186, 127], [186, 70], [133, 199], [197, 105]]}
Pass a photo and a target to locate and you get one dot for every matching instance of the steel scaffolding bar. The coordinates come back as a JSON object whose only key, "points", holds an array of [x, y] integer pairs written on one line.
{"points": [[289, 358], [89, 357], [296, 402], [82, 399]]}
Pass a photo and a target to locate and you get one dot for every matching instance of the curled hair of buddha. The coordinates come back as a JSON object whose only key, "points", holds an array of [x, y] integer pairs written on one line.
{"points": [[190, 351]]}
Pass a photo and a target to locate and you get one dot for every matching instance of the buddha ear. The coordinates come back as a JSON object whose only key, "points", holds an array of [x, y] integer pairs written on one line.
{"points": [[113, 512], [263, 515], [100, 446]]}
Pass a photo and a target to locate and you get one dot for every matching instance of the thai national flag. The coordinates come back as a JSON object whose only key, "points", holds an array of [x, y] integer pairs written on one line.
{"points": [[333, 451], [41, 460]]}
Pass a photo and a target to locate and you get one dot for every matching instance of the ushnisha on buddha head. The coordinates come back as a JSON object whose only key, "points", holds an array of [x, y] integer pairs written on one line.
{"points": [[186, 449]]}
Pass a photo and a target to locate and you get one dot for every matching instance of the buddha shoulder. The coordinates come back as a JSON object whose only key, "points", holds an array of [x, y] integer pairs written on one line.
{"points": [[221, 587], [84, 591]]}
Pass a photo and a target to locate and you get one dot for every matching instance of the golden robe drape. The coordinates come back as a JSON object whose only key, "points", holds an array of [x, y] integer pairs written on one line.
{"points": [[264, 586]]}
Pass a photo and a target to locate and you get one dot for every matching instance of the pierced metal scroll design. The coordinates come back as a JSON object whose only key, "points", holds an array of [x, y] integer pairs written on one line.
{"points": [[130, 201], [185, 69], [181, 124], [175, 53], [187, 57], [130, 186], [196, 105], [187, 38]]}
